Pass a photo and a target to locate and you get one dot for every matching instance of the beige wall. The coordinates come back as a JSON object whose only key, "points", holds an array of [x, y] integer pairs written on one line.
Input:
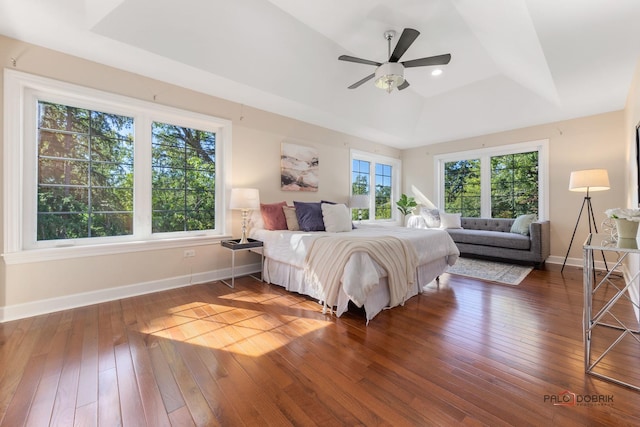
{"points": [[255, 153], [598, 141], [589, 142]]}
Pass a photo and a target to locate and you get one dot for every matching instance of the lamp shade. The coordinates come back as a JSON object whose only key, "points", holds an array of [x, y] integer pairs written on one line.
{"points": [[589, 180], [244, 198], [359, 201]]}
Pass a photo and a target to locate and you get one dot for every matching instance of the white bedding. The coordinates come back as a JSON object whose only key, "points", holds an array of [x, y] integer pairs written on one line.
{"points": [[285, 253]]}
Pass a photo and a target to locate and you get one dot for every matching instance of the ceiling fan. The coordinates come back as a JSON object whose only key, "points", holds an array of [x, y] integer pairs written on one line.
{"points": [[390, 75]]}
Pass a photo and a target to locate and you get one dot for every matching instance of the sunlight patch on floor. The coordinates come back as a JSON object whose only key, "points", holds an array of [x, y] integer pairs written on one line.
{"points": [[242, 325]]}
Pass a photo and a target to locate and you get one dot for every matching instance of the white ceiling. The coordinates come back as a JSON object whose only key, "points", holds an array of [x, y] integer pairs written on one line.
{"points": [[515, 63]]}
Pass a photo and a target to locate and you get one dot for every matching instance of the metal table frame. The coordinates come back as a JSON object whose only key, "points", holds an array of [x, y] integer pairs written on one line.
{"points": [[234, 246], [591, 321]]}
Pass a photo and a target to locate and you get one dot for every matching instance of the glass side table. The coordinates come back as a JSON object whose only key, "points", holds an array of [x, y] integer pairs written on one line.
{"points": [[234, 246], [611, 323]]}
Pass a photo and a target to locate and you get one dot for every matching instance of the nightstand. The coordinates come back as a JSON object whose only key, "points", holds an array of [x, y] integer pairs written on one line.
{"points": [[234, 246]]}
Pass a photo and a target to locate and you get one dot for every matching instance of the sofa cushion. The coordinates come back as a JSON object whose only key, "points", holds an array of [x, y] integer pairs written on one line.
{"points": [[490, 238], [522, 223], [489, 224]]}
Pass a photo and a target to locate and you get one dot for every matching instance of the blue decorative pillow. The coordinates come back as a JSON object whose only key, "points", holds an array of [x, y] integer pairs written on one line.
{"points": [[309, 216]]}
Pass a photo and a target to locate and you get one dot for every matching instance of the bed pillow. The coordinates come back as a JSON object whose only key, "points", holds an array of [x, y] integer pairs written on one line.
{"points": [[273, 216], [522, 223], [336, 217], [448, 220], [309, 216], [431, 217], [255, 220], [292, 219]]}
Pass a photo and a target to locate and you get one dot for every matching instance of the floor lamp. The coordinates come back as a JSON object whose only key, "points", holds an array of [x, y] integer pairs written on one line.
{"points": [[586, 181]]}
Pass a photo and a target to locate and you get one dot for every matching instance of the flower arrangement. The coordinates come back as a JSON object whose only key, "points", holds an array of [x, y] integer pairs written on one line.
{"points": [[622, 213]]}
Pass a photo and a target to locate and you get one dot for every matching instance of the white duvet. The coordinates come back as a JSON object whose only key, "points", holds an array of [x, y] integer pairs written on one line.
{"points": [[361, 273]]}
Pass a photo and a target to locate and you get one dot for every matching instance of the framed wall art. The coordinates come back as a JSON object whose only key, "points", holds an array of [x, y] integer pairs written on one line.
{"points": [[298, 168]]}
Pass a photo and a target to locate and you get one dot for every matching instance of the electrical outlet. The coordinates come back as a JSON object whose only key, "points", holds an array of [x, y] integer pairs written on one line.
{"points": [[189, 253]]}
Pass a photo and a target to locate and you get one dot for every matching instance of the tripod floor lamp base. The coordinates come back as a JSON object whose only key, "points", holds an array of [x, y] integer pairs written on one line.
{"points": [[587, 180]]}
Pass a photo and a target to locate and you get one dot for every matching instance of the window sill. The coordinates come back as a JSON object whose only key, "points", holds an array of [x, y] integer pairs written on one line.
{"points": [[72, 252]]}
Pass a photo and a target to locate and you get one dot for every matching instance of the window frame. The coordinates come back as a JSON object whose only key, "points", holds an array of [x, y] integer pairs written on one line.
{"points": [[485, 154], [396, 175], [22, 92]]}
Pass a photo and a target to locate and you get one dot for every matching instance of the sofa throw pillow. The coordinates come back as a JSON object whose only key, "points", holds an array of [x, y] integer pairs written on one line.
{"points": [[522, 223], [309, 216], [292, 219], [336, 217], [448, 220], [431, 217], [273, 216]]}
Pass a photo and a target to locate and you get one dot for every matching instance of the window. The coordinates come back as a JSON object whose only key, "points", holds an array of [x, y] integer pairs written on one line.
{"points": [[95, 170], [85, 173], [184, 175], [379, 178], [462, 187], [501, 182]]}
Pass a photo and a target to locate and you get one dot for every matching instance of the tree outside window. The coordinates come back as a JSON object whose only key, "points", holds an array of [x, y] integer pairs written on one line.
{"points": [[510, 183], [377, 177], [183, 178], [85, 173]]}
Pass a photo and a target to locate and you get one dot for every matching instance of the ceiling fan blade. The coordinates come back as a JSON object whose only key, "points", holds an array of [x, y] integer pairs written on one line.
{"points": [[359, 82], [409, 35], [431, 60], [404, 85], [358, 60]]}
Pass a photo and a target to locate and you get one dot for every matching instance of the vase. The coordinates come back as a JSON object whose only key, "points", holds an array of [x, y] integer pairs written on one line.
{"points": [[627, 229]]}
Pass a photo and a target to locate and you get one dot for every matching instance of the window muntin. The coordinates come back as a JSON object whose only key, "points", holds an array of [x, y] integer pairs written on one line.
{"points": [[383, 190], [462, 187], [514, 185], [512, 180], [183, 178], [22, 93], [360, 184], [379, 178], [85, 173]]}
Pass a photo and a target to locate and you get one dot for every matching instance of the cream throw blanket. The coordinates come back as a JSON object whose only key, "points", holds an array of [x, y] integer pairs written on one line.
{"points": [[326, 259]]}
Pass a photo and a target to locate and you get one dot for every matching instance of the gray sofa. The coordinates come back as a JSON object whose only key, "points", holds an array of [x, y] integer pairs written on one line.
{"points": [[491, 238]]}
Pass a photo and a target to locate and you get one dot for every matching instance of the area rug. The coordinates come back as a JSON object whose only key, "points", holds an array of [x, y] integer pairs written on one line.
{"points": [[499, 272]]}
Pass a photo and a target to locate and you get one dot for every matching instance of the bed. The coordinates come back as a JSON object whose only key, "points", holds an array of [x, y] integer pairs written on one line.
{"points": [[289, 257]]}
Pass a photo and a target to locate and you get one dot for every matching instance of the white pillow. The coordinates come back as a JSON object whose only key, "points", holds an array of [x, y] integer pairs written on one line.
{"points": [[431, 217], [336, 217], [255, 220], [450, 220]]}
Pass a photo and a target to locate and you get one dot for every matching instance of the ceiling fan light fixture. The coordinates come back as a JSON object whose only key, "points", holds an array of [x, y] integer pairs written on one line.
{"points": [[389, 76]]}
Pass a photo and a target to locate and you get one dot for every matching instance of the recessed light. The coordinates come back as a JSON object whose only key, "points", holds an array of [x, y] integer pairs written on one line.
{"points": [[436, 72]]}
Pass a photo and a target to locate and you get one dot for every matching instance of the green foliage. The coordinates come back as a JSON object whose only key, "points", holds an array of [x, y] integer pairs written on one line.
{"points": [[183, 179], [85, 175], [406, 205], [462, 187], [514, 186]]}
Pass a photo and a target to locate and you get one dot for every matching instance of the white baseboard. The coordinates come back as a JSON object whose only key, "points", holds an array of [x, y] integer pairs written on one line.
{"points": [[35, 308], [574, 262]]}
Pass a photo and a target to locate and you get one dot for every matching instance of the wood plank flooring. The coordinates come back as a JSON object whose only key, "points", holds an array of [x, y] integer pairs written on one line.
{"points": [[465, 352]]}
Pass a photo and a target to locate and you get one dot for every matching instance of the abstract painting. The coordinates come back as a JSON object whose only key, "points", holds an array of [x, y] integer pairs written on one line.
{"points": [[298, 168]]}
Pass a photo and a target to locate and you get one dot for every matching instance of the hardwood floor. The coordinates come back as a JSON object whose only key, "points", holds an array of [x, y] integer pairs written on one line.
{"points": [[465, 352]]}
